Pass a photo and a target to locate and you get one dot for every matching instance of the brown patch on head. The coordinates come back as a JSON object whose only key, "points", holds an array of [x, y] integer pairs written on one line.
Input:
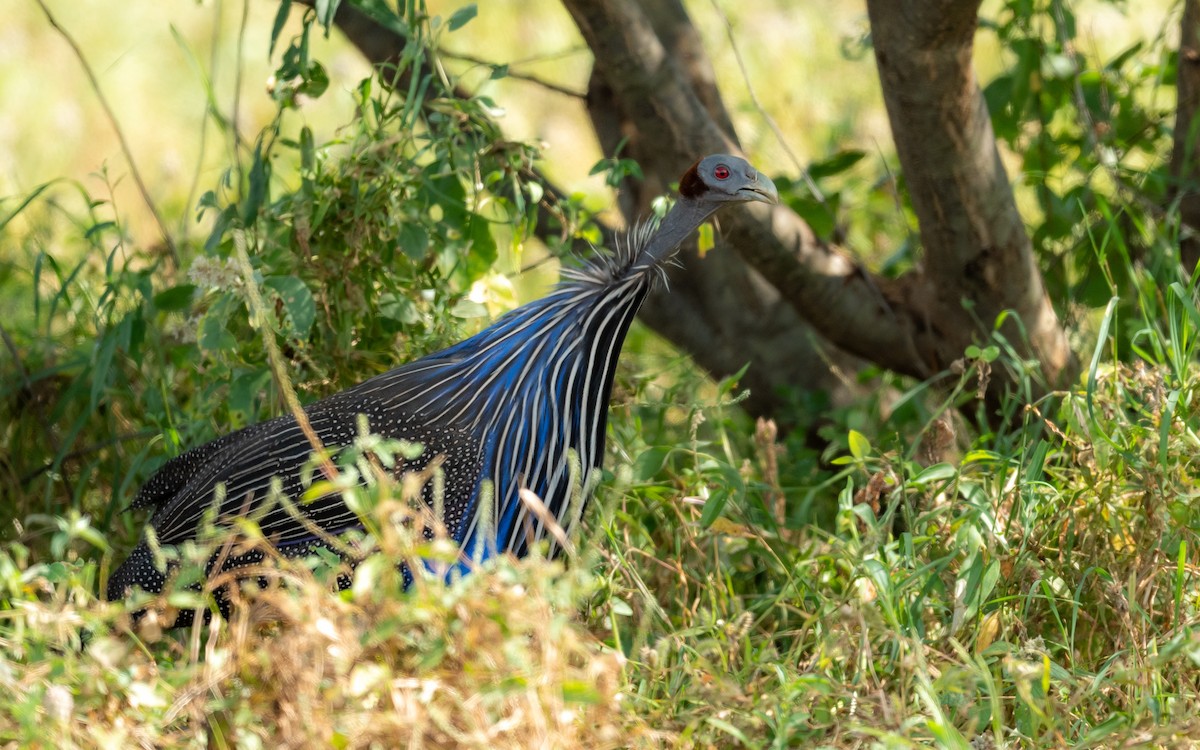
{"points": [[691, 185]]}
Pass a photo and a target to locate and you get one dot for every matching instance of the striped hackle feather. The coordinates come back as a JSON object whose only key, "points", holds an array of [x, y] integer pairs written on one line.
{"points": [[505, 410]]}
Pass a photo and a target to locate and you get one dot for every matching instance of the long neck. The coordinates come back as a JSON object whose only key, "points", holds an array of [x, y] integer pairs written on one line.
{"points": [[684, 218]]}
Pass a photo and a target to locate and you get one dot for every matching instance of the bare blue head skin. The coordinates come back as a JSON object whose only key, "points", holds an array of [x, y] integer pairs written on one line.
{"points": [[722, 178], [709, 184]]}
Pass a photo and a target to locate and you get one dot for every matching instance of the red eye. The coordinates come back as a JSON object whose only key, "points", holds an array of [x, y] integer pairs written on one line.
{"points": [[721, 172]]}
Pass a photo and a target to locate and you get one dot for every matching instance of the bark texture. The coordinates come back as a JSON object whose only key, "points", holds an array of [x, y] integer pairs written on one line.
{"points": [[978, 260], [1185, 153], [718, 309], [783, 300]]}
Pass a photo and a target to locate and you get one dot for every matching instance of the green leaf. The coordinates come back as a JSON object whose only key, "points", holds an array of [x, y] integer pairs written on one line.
{"points": [[980, 455], [836, 164], [816, 214], [706, 240], [483, 248], [213, 336], [413, 241], [325, 12], [175, 298], [297, 300], [650, 462], [98, 228], [860, 447], [242, 393], [731, 730], [713, 506], [220, 226], [936, 473], [462, 17], [281, 17], [398, 308], [257, 194], [578, 691], [30, 198], [308, 151], [316, 81]]}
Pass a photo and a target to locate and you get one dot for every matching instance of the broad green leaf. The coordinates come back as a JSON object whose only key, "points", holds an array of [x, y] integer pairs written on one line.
{"points": [[860, 447], [713, 506], [650, 462], [316, 81], [413, 241], [839, 162], [281, 17], [213, 336], [175, 298], [297, 300], [462, 17]]}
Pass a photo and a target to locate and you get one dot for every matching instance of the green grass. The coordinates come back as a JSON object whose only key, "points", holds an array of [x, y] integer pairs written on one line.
{"points": [[1045, 596], [926, 579]]}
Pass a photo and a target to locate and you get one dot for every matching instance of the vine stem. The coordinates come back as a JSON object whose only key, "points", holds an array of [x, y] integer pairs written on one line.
{"points": [[262, 320]]}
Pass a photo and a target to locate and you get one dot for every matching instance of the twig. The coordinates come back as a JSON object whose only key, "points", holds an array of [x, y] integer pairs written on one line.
{"points": [[558, 88], [112, 118], [779, 136]]}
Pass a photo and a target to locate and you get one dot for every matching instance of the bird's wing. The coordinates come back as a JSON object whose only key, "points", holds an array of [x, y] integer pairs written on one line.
{"points": [[246, 467], [175, 473]]}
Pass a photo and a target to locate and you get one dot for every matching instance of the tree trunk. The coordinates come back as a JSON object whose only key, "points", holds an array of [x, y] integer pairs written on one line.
{"points": [[717, 309], [787, 302], [1185, 158], [978, 260]]}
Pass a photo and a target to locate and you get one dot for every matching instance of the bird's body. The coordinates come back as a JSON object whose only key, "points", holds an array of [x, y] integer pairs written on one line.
{"points": [[507, 405]]}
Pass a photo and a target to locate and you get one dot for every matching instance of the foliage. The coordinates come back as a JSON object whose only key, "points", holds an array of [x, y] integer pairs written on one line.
{"points": [[916, 580], [1092, 132]]}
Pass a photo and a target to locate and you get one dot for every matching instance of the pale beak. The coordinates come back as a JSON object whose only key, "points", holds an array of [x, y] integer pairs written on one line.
{"points": [[762, 190]]}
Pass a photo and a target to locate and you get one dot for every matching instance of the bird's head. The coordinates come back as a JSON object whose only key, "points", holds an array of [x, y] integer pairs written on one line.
{"points": [[722, 178]]}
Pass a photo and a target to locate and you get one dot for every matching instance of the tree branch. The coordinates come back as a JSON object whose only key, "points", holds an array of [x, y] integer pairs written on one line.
{"points": [[826, 287], [717, 309]]}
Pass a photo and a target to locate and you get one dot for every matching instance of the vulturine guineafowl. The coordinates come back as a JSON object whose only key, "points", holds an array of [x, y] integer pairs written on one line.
{"points": [[507, 405]]}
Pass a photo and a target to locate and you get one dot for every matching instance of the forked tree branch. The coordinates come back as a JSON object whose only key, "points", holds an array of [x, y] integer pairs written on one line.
{"points": [[718, 310], [653, 75], [826, 287]]}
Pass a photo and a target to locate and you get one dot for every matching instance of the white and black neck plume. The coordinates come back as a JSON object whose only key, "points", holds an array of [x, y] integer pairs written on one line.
{"points": [[706, 186], [575, 337]]}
